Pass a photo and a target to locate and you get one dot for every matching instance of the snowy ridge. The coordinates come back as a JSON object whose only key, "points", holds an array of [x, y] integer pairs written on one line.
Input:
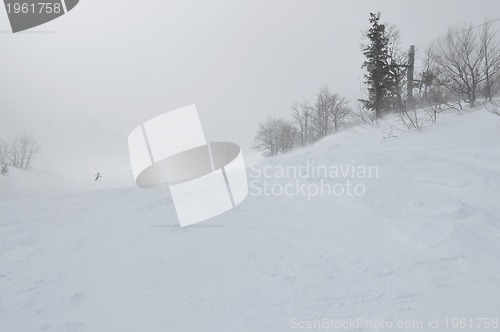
{"points": [[423, 242]]}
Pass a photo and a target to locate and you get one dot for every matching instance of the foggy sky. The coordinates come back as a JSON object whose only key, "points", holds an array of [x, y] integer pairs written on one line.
{"points": [[82, 82]]}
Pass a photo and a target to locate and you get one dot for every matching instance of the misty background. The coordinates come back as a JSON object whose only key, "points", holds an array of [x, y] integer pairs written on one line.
{"points": [[83, 82]]}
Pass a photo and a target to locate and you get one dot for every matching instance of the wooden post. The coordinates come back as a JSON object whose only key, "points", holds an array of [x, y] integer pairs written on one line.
{"points": [[409, 73]]}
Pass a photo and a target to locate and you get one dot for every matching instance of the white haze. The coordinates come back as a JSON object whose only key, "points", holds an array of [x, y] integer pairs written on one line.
{"points": [[82, 82]]}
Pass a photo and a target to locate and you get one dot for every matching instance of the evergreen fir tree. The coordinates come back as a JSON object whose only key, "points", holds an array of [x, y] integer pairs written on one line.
{"points": [[378, 76]]}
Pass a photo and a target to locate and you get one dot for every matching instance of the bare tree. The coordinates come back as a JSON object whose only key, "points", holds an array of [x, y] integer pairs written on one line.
{"points": [[434, 101], [329, 112], [459, 57], [409, 117], [24, 147], [18, 151], [32, 148], [4, 152], [426, 78], [364, 115], [275, 136], [301, 113], [321, 114], [493, 107], [430, 95], [491, 58], [339, 111], [14, 155], [287, 135]]}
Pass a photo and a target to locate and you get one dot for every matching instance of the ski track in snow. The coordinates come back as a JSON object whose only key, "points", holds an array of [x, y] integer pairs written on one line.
{"points": [[423, 242]]}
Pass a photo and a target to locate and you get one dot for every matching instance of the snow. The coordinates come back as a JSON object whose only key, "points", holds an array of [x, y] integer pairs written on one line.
{"points": [[422, 243]]}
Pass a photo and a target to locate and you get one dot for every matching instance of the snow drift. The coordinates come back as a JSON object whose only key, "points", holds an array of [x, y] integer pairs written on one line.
{"points": [[421, 243]]}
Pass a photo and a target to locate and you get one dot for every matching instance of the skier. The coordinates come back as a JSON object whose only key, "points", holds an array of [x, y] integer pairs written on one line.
{"points": [[97, 176]]}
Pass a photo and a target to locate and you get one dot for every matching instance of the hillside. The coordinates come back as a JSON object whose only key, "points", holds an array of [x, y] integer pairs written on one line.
{"points": [[422, 242]]}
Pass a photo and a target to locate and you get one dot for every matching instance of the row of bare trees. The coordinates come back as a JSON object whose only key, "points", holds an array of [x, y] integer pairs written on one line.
{"points": [[309, 123], [18, 151], [460, 68]]}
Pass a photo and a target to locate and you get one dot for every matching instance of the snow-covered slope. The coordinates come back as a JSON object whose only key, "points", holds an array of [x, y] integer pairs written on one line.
{"points": [[422, 243]]}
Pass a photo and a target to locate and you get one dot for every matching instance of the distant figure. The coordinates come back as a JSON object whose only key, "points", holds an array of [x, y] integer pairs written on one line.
{"points": [[97, 176]]}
